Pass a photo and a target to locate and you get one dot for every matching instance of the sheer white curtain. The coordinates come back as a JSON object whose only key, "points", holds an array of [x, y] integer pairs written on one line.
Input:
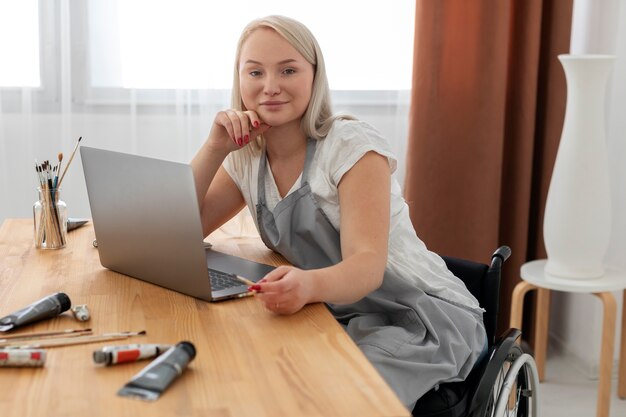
{"points": [[599, 27], [147, 77]]}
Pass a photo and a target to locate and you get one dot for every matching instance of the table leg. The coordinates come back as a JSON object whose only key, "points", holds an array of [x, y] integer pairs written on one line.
{"points": [[606, 354], [542, 318], [621, 381]]}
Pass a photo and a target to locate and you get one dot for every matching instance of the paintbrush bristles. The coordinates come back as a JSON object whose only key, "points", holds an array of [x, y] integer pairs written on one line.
{"points": [[59, 166], [69, 161]]}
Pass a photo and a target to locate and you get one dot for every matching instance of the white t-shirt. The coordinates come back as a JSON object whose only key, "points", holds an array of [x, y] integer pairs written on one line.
{"points": [[346, 143]]}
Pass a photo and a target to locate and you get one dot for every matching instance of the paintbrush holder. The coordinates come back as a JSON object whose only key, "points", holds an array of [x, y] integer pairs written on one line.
{"points": [[50, 219]]}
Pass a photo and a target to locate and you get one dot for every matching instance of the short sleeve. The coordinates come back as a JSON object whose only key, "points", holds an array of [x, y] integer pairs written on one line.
{"points": [[347, 142], [238, 166]]}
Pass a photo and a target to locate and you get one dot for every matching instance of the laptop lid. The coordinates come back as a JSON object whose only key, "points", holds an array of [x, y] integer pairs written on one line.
{"points": [[147, 222]]}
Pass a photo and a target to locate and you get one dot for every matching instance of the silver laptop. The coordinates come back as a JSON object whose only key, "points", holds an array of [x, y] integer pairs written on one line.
{"points": [[147, 224]]}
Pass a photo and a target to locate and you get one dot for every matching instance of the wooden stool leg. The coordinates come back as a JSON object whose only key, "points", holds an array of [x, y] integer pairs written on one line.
{"points": [[517, 303], [542, 318], [517, 310], [621, 381], [606, 355]]}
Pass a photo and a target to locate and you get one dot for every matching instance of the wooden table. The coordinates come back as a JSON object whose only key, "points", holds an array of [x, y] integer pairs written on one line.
{"points": [[250, 362]]}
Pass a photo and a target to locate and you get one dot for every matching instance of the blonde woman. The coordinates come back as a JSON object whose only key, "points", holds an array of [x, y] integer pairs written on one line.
{"points": [[320, 190]]}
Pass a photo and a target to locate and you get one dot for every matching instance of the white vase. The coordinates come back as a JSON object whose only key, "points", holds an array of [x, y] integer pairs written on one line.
{"points": [[577, 220]]}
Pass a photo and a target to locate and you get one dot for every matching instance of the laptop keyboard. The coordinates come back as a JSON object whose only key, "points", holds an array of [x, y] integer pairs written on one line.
{"points": [[222, 280]]}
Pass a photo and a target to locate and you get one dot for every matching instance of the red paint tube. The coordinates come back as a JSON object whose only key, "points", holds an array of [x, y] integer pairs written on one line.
{"points": [[111, 355], [22, 357]]}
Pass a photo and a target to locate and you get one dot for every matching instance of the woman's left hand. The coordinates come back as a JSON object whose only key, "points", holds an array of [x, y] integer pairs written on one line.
{"points": [[285, 290]]}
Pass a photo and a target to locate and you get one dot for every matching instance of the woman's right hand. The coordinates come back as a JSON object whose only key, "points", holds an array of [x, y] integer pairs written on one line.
{"points": [[218, 196], [234, 129]]}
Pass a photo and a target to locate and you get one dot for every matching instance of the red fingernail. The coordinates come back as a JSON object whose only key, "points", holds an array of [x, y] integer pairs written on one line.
{"points": [[256, 124], [240, 141], [256, 288], [246, 138]]}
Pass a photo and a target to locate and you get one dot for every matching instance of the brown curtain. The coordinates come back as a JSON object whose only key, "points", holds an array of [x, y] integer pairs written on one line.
{"points": [[487, 109]]}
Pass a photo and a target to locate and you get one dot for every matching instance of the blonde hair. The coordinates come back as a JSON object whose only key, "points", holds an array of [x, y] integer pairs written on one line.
{"points": [[318, 118]]}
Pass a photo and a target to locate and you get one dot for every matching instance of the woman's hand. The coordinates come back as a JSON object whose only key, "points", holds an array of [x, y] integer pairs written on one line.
{"points": [[218, 196], [234, 129], [285, 290]]}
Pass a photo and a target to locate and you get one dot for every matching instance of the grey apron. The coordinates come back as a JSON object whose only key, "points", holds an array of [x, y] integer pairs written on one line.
{"points": [[414, 340]]}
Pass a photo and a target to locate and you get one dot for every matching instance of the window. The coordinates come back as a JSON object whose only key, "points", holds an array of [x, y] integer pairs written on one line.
{"points": [[147, 52], [19, 43], [190, 44]]}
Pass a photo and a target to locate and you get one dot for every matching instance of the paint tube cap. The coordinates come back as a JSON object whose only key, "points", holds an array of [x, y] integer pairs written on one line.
{"points": [[101, 357], [189, 348], [64, 300]]}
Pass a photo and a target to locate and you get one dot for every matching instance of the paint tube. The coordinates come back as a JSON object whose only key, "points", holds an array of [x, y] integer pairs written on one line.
{"points": [[154, 379], [22, 357], [110, 355], [47, 307]]}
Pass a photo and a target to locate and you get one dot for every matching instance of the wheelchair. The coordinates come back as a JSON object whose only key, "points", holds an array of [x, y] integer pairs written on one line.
{"points": [[505, 382]]}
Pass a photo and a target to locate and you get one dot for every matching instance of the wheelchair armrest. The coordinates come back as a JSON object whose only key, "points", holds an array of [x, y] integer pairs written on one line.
{"points": [[503, 252], [491, 368]]}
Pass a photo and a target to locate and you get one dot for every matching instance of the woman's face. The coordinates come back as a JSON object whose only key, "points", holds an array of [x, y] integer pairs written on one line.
{"points": [[275, 80]]}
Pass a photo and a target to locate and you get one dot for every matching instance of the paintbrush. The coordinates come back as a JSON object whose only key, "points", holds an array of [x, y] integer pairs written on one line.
{"points": [[56, 178], [79, 340], [49, 334], [245, 280], [69, 162]]}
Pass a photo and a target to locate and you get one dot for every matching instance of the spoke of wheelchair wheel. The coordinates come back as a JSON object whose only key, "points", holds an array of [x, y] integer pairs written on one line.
{"points": [[519, 396], [520, 393], [503, 374], [498, 388], [496, 391], [494, 396], [513, 399]]}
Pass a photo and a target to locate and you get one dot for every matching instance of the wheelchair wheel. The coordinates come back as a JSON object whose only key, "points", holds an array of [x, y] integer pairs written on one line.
{"points": [[515, 392]]}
